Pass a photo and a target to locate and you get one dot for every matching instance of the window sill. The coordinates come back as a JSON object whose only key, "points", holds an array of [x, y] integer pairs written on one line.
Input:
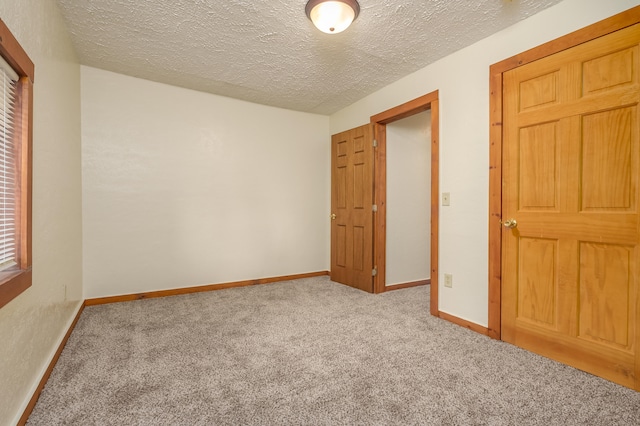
{"points": [[13, 283]]}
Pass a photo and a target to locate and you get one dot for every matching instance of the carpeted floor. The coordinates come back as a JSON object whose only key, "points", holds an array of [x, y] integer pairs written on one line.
{"points": [[309, 352]]}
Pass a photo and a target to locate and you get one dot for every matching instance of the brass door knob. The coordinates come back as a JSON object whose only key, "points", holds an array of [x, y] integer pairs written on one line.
{"points": [[510, 223], [333, 216]]}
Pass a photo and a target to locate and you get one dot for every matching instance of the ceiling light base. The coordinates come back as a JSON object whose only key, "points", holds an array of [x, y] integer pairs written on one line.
{"points": [[332, 16]]}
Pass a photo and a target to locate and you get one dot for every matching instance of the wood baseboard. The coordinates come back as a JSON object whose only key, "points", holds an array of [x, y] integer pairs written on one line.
{"points": [[407, 285], [47, 373], [198, 289], [464, 323]]}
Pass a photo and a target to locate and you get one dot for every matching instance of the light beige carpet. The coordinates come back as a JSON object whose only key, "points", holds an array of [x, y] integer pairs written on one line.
{"points": [[309, 352]]}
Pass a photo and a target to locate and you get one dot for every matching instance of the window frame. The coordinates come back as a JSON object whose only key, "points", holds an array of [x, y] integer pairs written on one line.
{"points": [[16, 280]]}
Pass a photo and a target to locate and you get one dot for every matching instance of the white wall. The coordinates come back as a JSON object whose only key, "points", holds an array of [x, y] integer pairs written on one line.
{"points": [[463, 81], [33, 324], [408, 199], [183, 188]]}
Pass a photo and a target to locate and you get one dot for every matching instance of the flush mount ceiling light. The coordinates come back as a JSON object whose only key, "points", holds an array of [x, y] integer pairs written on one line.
{"points": [[332, 16]]}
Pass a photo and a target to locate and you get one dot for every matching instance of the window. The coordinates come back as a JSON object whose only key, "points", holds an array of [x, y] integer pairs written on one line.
{"points": [[8, 211], [16, 106]]}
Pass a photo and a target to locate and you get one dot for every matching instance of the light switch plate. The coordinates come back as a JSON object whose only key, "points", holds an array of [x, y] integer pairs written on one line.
{"points": [[448, 280], [446, 198]]}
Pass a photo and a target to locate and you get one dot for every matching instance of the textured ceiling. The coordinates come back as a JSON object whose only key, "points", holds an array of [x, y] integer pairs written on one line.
{"points": [[268, 52]]}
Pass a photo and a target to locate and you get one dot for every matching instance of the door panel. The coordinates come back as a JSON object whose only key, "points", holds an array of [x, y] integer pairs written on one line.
{"points": [[538, 286], [571, 158], [351, 207], [605, 286], [607, 178]]}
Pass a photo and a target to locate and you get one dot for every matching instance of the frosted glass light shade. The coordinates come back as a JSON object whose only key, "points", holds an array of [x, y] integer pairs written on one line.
{"points": [[332, 16]]}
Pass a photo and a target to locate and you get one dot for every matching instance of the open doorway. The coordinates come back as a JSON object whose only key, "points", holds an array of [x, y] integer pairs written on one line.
{"points": [[428, 102], [408, 201]]}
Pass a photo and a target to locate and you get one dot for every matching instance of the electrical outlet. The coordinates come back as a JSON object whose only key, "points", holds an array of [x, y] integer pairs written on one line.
{"points": [[448, 280], [446, 199]]}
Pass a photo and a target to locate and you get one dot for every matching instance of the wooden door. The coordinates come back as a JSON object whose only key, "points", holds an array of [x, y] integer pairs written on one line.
{"points": [[571, 265], [351, 207]]}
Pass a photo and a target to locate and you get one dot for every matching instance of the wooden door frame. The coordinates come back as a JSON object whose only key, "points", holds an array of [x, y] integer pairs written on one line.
{"points": [[599, 29], [380, 121]]}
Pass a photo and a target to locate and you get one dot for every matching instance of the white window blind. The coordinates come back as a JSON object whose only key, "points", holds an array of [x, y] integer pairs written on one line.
{"points": [[8, 171]]}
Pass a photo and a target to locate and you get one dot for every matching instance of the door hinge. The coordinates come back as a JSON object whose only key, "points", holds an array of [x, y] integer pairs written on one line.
{"points": [[375, 143], [374, 208], [374, 272]]}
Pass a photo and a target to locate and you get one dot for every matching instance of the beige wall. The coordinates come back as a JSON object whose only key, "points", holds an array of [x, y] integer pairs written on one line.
{"points": [[408, 199], [183, 188], [32, 325], [463, 83]]}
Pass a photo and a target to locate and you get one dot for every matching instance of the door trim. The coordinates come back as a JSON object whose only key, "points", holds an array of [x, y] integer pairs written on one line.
{"points": [[380, 121], [599, 29]]}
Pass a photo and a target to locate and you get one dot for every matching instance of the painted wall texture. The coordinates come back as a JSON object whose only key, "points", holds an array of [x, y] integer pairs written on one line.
{"points": [[408, 199], [463, 83], [33, 324], [183, 188]]}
